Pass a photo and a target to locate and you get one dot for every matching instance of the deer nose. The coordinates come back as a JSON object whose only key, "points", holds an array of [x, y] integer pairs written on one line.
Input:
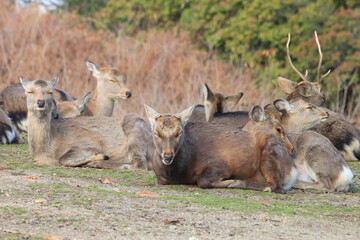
{"points": [[168, 156], [128, 94], [41, 103]]}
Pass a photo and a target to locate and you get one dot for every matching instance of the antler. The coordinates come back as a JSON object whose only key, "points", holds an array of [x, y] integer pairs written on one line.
{"points": [[318, 78], [292, 65]]}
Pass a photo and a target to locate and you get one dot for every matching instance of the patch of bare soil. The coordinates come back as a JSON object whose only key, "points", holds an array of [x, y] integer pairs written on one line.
{"points": [[38, 204]]}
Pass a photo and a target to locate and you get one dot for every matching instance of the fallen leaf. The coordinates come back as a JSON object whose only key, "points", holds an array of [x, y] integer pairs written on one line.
{"points": [[146, 194], [265, 203], [172, 221], [31, 177], [105, 180], [41, 201], [2, 169], [48, 237]]}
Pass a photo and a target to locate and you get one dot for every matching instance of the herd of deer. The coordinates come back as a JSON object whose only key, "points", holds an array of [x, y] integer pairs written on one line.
{"points": [[292, 143]]}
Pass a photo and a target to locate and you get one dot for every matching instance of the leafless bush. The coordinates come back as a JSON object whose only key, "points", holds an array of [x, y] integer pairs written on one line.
{"points": [[163, 69]]}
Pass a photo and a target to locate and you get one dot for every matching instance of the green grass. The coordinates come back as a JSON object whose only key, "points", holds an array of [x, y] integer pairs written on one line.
{"points": [[13, 210], [309, 204]]}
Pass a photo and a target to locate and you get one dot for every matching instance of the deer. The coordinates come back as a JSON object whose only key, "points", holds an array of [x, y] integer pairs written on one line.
{"points": [[8, 134], [342, 134], [218, 108], [13, 102], [320, 165], [82, 141], [110, 86], [70, 109], [217, 156]]}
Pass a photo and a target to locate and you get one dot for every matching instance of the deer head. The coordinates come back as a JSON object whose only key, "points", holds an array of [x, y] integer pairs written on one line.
{"points": [[218, 103], [168, 132], [307, 90]]}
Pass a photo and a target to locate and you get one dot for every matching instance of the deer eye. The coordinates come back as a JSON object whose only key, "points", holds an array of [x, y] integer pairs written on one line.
{"points": [[278, 130], [156, 134], [30, 91], [50, 92], [112, 81]]}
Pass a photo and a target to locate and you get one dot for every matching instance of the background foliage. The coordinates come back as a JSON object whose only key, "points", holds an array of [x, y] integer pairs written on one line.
{"points": [[249, 35], [252, 34]]}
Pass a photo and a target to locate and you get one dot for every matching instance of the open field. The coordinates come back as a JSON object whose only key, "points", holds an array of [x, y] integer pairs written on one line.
{"points": [[76, 203]]}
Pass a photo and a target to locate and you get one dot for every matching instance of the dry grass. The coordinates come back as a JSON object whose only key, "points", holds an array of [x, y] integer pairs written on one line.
{"points": [[163, 69]]}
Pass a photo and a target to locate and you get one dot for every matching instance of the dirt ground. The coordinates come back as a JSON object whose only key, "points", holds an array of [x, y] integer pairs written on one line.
{"points": [[38, 202]]}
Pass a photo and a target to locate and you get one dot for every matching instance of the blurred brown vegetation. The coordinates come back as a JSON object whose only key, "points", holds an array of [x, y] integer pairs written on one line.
{"points": [[163, 69]]}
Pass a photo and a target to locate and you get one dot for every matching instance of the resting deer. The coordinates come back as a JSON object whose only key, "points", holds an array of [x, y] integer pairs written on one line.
{"points": [[69, 109], [8, 133], [110, 87], [344, 136], [217, 156], [320, 165], [83, 141], [218, 108], [13, 102]]}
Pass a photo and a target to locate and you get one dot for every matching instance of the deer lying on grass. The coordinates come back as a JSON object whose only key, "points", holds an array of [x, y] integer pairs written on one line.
{"points": [[110, 87], [344, 136], [82, 141], [217, 156], [320, 165], [218, 108], [13, 102], [8, 133]]}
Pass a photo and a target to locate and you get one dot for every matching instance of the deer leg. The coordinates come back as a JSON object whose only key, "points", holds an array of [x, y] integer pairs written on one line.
{"points": [[74, 160], [109, 165], [299, 184], [270, 168], [209, 179]]}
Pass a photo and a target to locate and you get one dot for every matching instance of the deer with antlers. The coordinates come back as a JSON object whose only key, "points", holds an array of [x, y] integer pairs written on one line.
{"points": [[342, 134]]}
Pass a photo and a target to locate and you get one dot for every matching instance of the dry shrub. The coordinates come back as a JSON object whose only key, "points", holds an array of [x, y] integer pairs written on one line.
{"points": [[163, 69]]}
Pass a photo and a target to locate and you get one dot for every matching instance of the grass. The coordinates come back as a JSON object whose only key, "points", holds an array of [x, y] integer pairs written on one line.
{"points": [[309, 204], [13, 210]]}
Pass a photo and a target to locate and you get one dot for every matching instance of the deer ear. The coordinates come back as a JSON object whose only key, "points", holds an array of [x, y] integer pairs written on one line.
{"points": [[92, 67], [305, 90], [257, 114], [54, 81], [81, 102], [151, 114], [185, 115], [282, 105], [231, 101], [286, 85], [24, 82], [208, 94]]}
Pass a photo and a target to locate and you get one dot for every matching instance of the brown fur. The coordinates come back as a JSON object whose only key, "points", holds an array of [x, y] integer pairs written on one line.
{"points": [[337, 129], [218, 108], [69, 109], [84, 141], [320, 165], [13, 102], [110, 87], [196, 153]]}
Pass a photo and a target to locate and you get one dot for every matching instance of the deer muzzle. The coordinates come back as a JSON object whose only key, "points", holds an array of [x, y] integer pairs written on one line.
{"points": [[40, 105], [168, 157]]}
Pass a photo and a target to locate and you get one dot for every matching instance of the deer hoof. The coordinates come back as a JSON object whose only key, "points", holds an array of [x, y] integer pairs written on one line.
{"points": [[267, 189]]}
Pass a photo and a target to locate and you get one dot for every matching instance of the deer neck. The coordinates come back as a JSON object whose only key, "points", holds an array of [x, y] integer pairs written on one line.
{"points": [[101, 105], [39, 135]]}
